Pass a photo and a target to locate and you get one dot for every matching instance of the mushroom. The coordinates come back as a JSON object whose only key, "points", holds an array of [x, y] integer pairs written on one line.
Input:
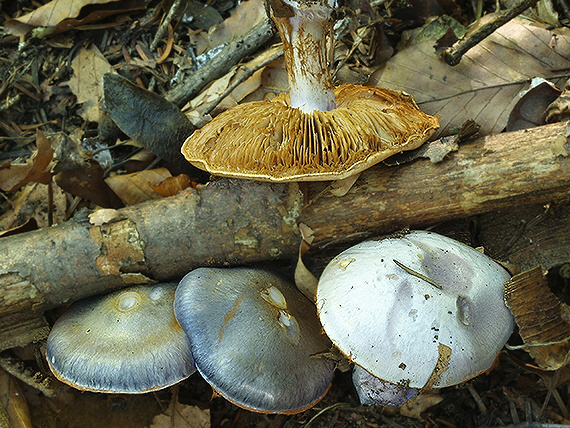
{"points": [[377, 392], [126, 342], [418, 310], [316, 132], [254, 338]]}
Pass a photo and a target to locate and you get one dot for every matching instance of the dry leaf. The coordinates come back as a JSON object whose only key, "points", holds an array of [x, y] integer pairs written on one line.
{"points": [[531, 109], [172, 185], [88, 182], [32, 202], [103, 216], [185, 416], [89, 66], [137, 187], [14, 402], [29, 225], [559, 110], [341, 187], [541, 317], [245, 88], [37, 170], [305, 281], [419, 404], [246, 15], [435, 151], [54, 13], [486, 84]]}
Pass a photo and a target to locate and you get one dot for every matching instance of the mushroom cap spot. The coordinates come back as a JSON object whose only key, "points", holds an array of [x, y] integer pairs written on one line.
{"points": [[271, 141], [125, 342], [377, 314], [254, 353]]}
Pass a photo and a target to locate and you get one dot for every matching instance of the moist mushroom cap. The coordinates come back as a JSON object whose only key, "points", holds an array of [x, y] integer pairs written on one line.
{"points": [[377, 392], [125, 342], [394, 324], [271, 141], [253, 336]]}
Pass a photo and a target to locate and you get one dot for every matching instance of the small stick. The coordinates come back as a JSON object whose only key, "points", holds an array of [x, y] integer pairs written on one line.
{"points": [[419, 275], [219, 65], [248, 72], [477, 398], [164, 25], [453, 54]]}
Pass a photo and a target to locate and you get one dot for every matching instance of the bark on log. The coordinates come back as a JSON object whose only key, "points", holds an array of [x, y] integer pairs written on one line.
{"points": [[232, 222]]}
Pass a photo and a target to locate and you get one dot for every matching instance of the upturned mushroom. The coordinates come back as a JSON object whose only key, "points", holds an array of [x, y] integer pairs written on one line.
{"points": [[316, 132], [419, 310], [125, 342], [254, 338]]}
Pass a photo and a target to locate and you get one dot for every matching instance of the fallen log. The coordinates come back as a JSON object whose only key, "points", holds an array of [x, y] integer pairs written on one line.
{"points": [[234, 222]]}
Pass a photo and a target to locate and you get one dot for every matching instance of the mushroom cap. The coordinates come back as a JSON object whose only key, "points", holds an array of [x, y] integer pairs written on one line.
{"points": [[125, 342], [402, 328], [377, 392], [252, 336], [271, 141]]}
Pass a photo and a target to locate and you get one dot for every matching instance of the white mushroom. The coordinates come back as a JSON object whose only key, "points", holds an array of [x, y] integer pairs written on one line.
{"points": [[420, 310]]}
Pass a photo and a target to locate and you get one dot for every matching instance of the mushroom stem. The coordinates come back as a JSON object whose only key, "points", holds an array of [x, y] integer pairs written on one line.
{"points": [[305, 29]]}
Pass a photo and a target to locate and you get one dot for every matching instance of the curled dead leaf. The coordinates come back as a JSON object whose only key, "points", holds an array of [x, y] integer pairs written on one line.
{"points": [[305, 281], [52, 14], [542, 319], [170, 186], [138, 187], [36, 170]]}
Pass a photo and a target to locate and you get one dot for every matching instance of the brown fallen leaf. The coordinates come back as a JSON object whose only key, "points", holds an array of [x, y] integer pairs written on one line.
{"points": [[305, 281], [36, 170], [170, 186], [88, 182], [137, 187], [541, 317], [531, 109], [14, 402], [486, 84], [30, 224], [559, 110], [53, 14], [416, 406], [89, 66], [31, 202], [246, 15], [182, 416]]}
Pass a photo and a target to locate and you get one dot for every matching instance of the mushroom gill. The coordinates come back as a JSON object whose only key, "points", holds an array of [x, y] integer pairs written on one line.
{"points": [[269, 140]]}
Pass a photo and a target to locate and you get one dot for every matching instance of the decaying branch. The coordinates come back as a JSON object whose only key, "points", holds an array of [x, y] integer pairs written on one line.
{"points": [[221, 63], [233, 222]]}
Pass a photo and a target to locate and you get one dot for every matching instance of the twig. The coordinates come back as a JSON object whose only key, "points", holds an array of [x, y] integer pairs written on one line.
{"points": [[17, 369], [247, 73], [336, 405], [477, 398], [419, 275], [453, 54], [164, 25], [221, 63]]}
